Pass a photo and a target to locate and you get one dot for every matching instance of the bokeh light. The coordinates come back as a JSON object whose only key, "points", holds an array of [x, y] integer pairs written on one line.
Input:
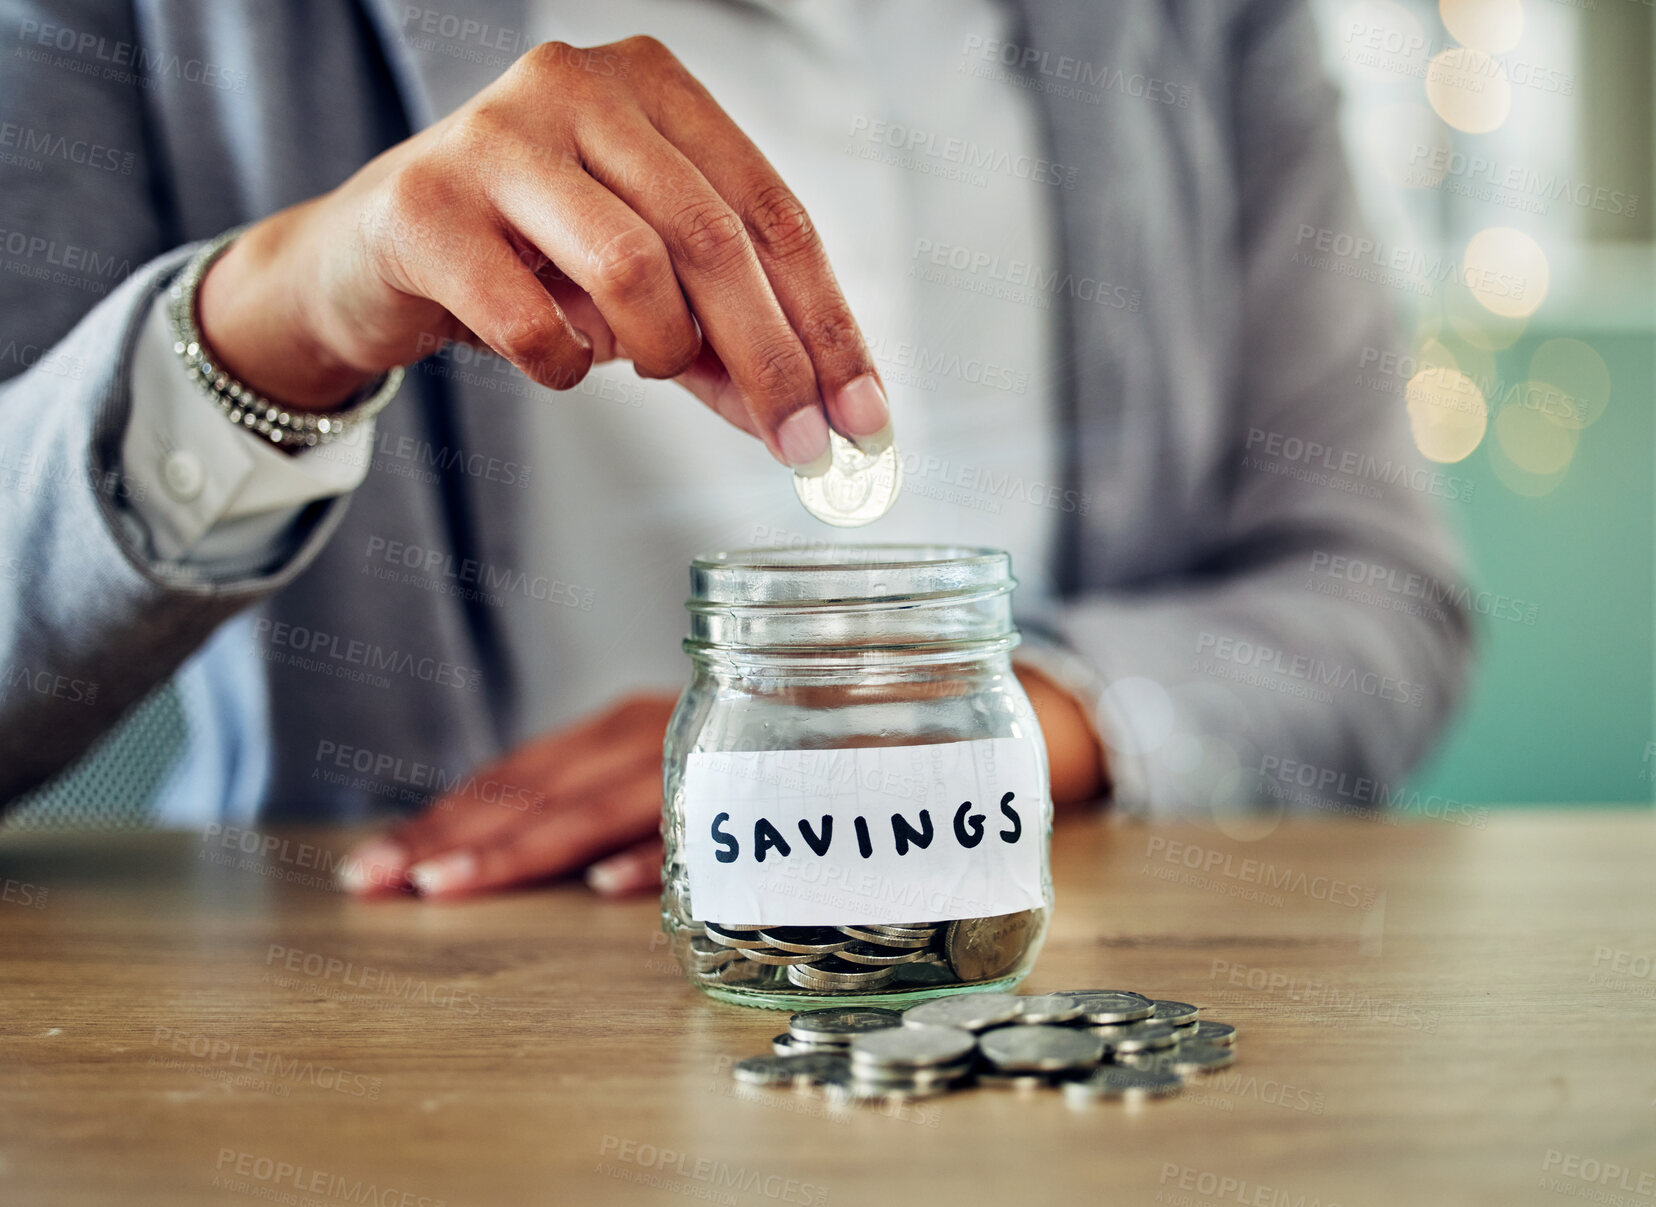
{"points": [[1506, 271], [1475, 325], [1530, 438], [1521, 481], [1468, 89], [1580, 376], [1447, 414], [1492, 26]]}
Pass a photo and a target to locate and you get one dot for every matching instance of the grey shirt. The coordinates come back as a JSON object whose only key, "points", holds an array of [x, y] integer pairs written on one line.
{"points": [[1199, 144]]}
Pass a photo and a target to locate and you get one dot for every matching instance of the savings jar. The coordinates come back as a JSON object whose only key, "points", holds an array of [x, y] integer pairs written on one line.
{"points": [[856, 806]]}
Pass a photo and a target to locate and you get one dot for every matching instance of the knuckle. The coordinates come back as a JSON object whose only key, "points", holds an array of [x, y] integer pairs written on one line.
{"points": [[709, 235], [537, 343], [630, 264], [780, 224], [678, 350], [547, 56], [681, 356], [414, 192], [645, 49], [835, 337], [780, 370]]}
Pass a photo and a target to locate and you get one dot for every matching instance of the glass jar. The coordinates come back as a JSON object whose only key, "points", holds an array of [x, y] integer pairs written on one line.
{"points": [[856, 798]]}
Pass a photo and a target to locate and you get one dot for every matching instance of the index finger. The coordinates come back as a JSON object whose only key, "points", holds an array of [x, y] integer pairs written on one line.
{"points": [[791, 252]]}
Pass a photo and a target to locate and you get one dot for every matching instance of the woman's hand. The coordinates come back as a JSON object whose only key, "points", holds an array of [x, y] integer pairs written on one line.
{"points": [[589, 796], [589, 205]]}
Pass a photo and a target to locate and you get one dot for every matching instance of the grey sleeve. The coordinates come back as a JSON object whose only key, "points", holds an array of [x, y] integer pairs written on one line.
{"points": [[1318, 637], [88, 624]]}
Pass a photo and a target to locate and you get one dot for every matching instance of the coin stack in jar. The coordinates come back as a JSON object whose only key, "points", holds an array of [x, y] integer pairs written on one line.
{"points": [[863, 959], [1090, 1043]]}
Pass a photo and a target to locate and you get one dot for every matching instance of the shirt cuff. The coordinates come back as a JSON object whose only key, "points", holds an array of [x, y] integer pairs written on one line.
{"points": [[211, 497]]}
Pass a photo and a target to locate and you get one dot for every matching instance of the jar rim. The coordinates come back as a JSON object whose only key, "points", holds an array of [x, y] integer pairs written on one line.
{"points": [[851, 597], [833, 557], [850, 557]]}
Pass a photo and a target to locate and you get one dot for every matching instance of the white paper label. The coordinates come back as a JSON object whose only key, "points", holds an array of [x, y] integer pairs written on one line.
{"points": [[868, 834]]}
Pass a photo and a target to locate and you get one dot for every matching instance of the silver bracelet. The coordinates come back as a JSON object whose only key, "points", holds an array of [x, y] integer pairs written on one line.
{"points": [[243, 405]]}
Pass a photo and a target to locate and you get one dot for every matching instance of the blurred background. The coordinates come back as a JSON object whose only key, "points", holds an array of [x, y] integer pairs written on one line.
{"points": [[1503, 149], [1504, 153]]}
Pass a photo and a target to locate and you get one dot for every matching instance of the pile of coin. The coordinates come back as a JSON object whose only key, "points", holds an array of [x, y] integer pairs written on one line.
{"points": [[1091, 1043], [860, 959]]}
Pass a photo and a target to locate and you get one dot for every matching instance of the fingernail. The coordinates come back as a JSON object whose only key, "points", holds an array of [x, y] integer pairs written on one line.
{"points": [[445, 873], [861, 408], [377, 863], [803, 441]]}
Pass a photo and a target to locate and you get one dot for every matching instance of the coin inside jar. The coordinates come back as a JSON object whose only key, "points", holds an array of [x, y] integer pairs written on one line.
{"points": [[982, 949], [884, 937], [805, 940], [856, 488]]}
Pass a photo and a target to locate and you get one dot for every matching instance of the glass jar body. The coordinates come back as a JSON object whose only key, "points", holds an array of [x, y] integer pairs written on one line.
{"points": [[885, 799]]}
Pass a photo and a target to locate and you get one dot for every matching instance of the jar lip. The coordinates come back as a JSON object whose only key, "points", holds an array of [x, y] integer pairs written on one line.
{"points": [[833, 557]]}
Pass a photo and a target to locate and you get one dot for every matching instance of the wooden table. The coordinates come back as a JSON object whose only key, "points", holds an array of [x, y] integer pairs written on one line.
{"points": [[1430, 1014]]}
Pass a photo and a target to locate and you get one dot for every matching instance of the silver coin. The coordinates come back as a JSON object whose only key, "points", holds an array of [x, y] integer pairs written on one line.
{"points": [[1094, 992], [1175, 1014], [876, 956], [882, 938], [1041, 1049], [805, 940], [1136, 1037], [908, 930], [739, 972], [1197, 1057], [770, 955], [907, 1046], [788, 1070], [1111, 1006], [730, 937], [920, 1076], [983, 949], [833, 974], [929, 972], [1114, 1081], [1147, 1059], [857, 1090], [787, 1045], [968, 1011], [1047, 1008], [1214, 1033], [836, 1025], [857, 489], [997, 1079], [706, 956]]}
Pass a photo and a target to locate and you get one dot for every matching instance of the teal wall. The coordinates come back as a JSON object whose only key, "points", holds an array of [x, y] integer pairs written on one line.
{"points": [[1563, 711]]}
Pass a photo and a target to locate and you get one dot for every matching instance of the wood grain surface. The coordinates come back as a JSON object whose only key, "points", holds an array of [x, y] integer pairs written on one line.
{"points": [[1430, 1013]]}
